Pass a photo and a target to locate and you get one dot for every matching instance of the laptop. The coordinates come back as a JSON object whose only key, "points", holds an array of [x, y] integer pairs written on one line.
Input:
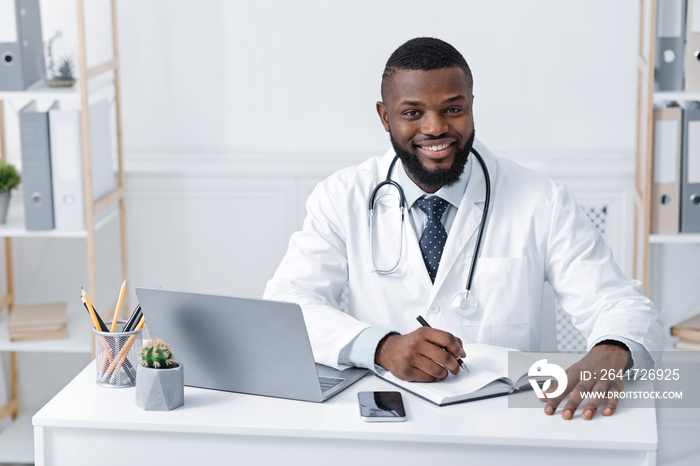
{"points": [[241, 345]]}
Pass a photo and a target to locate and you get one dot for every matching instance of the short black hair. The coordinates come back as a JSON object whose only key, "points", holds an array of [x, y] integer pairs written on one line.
{"points": [[424, 54]]}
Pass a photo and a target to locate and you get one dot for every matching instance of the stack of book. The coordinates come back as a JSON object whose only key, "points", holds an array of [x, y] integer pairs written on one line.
{"points": [[37, 322], [688, 333]]}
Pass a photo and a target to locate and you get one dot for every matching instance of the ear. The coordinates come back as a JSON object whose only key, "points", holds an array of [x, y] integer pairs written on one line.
{"points": [[383, 115]]}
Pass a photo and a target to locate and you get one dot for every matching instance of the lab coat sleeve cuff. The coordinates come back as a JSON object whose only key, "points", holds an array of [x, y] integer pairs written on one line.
{"points": [[640, 356], [361, 349]]}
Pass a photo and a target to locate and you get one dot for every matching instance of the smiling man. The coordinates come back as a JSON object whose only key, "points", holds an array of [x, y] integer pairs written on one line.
{"points": [[395, 267]]}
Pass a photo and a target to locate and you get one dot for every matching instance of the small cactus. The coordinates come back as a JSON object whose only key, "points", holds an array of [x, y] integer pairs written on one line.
{"points": [[65, 70], [157, 354]]}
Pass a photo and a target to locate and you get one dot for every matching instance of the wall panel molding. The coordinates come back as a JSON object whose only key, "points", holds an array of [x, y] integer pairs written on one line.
{"points": [[221, 222]]}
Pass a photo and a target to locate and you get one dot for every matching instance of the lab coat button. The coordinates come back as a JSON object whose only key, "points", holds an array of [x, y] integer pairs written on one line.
{"points": [[434, 309]]}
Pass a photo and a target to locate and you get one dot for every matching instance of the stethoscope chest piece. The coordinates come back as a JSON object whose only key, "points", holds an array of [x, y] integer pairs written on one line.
{"points": [[464, 303]]}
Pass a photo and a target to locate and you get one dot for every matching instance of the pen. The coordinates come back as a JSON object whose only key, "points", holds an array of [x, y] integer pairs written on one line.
{"points": [[425, 323], [133, 319]]}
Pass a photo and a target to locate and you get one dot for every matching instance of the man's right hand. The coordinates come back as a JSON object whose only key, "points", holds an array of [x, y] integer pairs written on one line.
{"points": [[424, 355]]}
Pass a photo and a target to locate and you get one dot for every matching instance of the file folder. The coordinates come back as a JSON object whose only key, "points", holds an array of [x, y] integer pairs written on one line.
{"points": [[670, 41], [666, 188], [36, 167], [21, 44], [67, 162], [692, 47], [690, 189]]}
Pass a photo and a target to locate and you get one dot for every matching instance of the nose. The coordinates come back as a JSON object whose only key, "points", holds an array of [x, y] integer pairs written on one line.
{"points": [[434, 124]]}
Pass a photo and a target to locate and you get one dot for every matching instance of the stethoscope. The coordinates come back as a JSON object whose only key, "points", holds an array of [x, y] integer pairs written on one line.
{"points": [[463, 302]]}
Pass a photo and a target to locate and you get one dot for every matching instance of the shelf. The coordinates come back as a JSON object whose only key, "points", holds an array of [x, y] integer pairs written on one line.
{"points": [[14, 227], [677, 96], [98, 89], [680, 238], [79, 335], [17, 438]]}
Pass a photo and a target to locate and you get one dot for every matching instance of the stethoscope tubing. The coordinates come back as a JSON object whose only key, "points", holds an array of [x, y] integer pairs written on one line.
{"points": [[482, 224]]}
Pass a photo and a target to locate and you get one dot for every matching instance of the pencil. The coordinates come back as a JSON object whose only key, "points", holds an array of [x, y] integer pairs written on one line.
{"points": [[425, 323], [108, 352], [119, 305]]}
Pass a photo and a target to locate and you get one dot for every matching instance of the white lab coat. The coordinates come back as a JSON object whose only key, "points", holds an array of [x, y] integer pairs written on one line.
{"points": [[535, 233]]}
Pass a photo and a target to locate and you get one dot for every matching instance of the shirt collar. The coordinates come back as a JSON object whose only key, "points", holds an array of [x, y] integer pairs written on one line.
{"points": [[452, 194]]}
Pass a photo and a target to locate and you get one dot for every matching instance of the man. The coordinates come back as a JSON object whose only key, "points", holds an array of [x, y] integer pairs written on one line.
{"points": [[534, 233]]}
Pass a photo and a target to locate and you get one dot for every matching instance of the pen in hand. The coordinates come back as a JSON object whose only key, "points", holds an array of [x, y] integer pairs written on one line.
{"points": [[424, 323]]}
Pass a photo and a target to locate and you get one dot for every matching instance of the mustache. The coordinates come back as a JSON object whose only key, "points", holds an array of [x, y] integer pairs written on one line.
{"points": [[438, 177]]}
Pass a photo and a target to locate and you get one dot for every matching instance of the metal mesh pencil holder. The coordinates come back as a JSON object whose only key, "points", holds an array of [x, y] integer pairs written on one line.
{"points": [[116, 356]]}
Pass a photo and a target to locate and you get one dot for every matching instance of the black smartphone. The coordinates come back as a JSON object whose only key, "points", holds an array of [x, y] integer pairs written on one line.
{"points": [[381, 406]]}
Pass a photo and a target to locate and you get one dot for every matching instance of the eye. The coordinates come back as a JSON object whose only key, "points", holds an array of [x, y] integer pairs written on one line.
{"points": [[411, 113], [453, 110]]}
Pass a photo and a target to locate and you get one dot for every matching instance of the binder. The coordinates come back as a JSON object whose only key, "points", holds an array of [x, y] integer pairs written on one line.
{"points": [[21, 44], [666, 188], [690, 170], [67, 162], [692, 47], [670, 41], [36, 168]]}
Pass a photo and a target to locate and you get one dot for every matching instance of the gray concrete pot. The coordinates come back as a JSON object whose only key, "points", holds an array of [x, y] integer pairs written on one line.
{"points": [[160, 389]]}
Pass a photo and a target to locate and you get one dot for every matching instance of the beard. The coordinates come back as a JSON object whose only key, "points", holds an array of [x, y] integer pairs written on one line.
{"points": [[434, 179]]}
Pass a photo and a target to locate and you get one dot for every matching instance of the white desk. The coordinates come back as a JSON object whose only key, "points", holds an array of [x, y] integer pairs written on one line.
{"points": [[87, 424]]}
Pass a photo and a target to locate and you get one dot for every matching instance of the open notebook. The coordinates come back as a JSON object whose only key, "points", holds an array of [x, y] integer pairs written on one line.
{"points": [[488, 377]]}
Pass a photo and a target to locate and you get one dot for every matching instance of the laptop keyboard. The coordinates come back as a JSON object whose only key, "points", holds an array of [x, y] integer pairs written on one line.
{"points": [[329, 382]]}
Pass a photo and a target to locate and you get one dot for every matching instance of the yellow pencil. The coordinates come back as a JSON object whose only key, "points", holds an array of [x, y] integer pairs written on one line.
{"points": [[119, 305]]}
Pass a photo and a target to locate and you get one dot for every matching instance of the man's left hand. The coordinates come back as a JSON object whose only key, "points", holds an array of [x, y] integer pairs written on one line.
{"points": [[606, 362]]}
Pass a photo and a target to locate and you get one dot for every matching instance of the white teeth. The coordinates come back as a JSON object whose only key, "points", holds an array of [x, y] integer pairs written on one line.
{"points": [[436, 148]]}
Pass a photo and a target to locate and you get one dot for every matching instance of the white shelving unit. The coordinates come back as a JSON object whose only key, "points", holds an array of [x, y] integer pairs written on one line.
{"points": [[660, 97], [99, 88], [14, 226], [647, 99], [675, 239], [96, 83]]}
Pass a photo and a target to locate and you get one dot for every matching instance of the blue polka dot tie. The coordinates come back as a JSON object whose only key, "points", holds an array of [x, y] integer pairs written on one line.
{"points": [[434, 236]]}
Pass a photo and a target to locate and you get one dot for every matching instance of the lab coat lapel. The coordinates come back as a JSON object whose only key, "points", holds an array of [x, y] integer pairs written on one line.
{"points": [[466, 222]]}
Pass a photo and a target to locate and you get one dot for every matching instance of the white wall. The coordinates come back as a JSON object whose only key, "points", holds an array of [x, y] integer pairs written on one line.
{"points": [[303, 76]]}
